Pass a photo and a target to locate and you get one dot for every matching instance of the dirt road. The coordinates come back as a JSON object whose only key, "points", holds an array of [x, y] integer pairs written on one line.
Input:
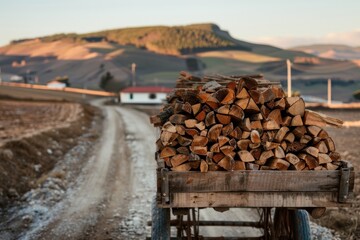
{"points": [[111, 198]]}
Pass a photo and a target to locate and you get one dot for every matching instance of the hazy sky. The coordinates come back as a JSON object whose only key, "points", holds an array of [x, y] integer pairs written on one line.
{"points": [[279, 22]]}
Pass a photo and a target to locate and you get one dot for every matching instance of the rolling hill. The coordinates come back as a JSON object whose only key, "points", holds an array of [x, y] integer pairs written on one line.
{"points": [[332, 51], [160, 52]]}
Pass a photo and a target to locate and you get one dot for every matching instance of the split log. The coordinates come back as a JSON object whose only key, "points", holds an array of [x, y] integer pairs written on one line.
{"points": [[246, 156], [227, 150], [255, 136], [190, 123], [330, 166], [204, 167], [324, 158], [296, 106], [227, 129], [245, 134], [162, 117], [296, 121], [184, 141], [256, 125], [201, 116], [210, 119], [280, 104], [264, 111], [256, 153], [223, 119], [167, 152], [199, 141], [215, 148], [239, 165], [312, 151], [322, 147], [279, 164], [286, 121], [192, 132], [265, 155], [270, 125], [283, 144], [183, 150], [335, 156], [299, 131], [233, 142], [245, 124], [243, 144], [182, 168], [295, 147], [252, 107], [311, 162], [199, 150], [242, 103], [252, 166], [225, 109], [236, 112], [167, 137], [320, 120], [180, 129], [271, 145], [200, 126], [280, 135], [279, 152], [179, 159], [292, 158], [222, 140], [214, 132], [169, 127], [217, 157], [196, 108], [305, 139], [313, 130], [289, 137], [330, 144], [300, 165], [227, 163], [243, 94], [225, 96]]}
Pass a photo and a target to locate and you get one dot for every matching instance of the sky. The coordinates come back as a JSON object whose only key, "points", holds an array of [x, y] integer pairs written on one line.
{"points": [[281, 23]]}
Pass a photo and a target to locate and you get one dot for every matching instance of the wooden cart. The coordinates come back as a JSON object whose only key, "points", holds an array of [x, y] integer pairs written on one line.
{"points": [[293, 194]]}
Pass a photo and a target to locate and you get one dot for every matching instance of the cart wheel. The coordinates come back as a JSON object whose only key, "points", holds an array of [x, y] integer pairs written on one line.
{"points": [[301, 225], [160, 228]]}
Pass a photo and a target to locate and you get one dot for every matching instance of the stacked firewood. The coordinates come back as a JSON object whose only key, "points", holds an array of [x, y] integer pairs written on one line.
{"points": [[241, 123]]}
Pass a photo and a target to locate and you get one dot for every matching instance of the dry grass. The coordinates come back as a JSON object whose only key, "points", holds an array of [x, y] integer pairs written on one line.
{"points": [[240, 56]]}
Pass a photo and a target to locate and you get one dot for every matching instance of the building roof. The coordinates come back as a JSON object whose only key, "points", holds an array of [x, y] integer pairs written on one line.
{"points": [[146, 89]]}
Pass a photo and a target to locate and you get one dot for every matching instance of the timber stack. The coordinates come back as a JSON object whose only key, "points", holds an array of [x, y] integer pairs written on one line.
{"points": [[230, 123]]}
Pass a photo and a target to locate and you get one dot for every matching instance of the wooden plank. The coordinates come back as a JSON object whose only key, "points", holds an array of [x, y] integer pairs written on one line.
{"points": [[269, 181], [255, 199]]}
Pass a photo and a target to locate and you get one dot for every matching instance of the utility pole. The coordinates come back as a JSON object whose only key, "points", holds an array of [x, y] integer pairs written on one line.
{"points": [[288, 63], [133, 72], [329, 91]]}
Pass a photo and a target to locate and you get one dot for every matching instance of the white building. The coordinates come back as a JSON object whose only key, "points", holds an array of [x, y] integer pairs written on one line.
{"points": [[56, 84], [144, 95]]}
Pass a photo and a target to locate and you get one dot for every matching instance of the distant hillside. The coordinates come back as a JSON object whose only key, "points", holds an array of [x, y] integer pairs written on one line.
{"points": [[160, 52], [175, 40], [333, 51]]}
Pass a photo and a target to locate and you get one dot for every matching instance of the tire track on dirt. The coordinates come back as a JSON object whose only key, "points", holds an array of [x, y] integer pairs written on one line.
{"points": [[113, 196], [87, 202]]}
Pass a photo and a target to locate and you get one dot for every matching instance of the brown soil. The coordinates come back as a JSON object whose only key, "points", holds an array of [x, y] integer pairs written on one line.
{"points": [[346, 220], [33, 136]]}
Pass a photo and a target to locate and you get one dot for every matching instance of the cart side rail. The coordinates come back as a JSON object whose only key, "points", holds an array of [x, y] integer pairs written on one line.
{"points": [[256, 188]]}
